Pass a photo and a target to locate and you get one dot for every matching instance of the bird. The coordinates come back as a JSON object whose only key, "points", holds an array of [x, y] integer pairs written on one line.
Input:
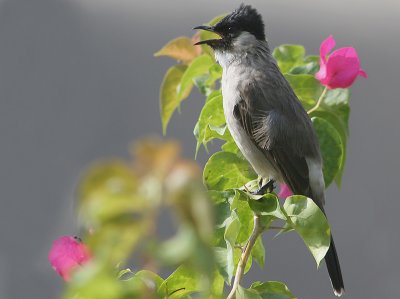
{"points": [[264, 116]]}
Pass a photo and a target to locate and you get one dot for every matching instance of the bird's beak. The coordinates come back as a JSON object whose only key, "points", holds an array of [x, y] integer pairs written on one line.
{"points": [[203, 27], [209, 42]]}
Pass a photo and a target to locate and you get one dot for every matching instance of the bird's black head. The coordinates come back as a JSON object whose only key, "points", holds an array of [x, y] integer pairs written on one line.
{"points": [[243, 19]]}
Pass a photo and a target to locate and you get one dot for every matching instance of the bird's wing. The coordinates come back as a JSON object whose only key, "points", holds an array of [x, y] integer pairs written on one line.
{"points": [[285, 136]]}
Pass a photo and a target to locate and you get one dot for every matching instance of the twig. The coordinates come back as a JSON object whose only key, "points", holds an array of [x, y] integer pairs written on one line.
{"points": [[275, 227], [319, 101], [257, 230]]}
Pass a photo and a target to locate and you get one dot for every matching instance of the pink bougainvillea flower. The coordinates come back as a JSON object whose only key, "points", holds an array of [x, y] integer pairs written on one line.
{"points": [[66, 254], [284, 191], [341, 68]]}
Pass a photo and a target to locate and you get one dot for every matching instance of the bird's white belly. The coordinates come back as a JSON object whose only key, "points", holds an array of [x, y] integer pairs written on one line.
{"points": [[249, 150]]}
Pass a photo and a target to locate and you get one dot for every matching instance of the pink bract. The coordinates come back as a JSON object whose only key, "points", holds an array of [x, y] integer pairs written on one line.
{"points": [[284, 191], [341, 68], [67, 254]]}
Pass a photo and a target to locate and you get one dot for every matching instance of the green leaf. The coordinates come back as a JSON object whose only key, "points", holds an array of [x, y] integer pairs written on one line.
{"points": [[288, 56], [150, 279], [310, 66], [111, 179], [217, 287], [232, 230], [231, 147], [180, 48], [265, 205], [199, 66], [272, 290], [114, 241], [107, 197], [258, 252], [331, 146], [211, 123], [201, 82], [338, 102], [310, 223], [242, 293], [225, 265], [285, 229], [245, 215], [216, 20], [242, 231], [123, 273], [336, 110], [180, 247], [215, 72], [206, 83], [168, 93], [307, 88], [223, 211], [183, 282], [221, 205], [213, 94], [94, 281], [225, 257], [237, 255], [226, 170]]}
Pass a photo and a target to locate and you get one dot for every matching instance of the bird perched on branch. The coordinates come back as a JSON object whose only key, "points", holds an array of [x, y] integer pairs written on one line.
{"points": [[265, 117]]}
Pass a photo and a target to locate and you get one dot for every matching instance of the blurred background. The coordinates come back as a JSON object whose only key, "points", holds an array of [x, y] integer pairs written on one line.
{"points": [[78, 82]]}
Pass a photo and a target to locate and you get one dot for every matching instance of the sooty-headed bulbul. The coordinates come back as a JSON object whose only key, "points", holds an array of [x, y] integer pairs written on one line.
{"points": [[265, 117]]}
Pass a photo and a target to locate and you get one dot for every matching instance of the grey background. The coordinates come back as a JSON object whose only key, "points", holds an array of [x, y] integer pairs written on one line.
{"points": [[78, 82]]}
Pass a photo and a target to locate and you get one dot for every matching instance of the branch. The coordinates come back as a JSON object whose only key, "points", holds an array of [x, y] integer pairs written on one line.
{"points": [[257, 230]]}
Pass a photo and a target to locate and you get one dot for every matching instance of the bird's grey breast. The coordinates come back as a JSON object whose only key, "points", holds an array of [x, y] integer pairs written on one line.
{"points": [[234, 80]]}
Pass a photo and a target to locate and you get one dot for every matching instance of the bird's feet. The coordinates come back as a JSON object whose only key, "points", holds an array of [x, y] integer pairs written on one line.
{"points": [[268, 187]]}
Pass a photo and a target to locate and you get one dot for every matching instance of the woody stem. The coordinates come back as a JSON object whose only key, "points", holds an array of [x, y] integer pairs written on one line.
{"points": [[257, 230]]}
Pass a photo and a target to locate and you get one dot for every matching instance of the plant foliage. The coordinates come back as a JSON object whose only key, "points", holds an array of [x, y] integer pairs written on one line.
{"points": [[119, 201]]}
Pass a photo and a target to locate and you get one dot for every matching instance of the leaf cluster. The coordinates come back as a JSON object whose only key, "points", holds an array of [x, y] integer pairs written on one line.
{"points": [[119, 204]]}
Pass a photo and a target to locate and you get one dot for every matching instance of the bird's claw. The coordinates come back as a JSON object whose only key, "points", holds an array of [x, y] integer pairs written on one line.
{"points": [[268, 187]]}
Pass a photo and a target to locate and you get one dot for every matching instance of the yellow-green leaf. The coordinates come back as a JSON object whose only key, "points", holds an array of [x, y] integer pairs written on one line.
{"points": [[199, 66], [168, 93], [181, 48]]}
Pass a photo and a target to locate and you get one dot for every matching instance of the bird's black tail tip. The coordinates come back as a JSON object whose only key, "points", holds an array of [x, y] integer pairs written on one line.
{"points": [[335, 274]]}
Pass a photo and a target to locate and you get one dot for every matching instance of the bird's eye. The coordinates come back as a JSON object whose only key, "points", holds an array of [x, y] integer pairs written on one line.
{"points": [[230, 29]]}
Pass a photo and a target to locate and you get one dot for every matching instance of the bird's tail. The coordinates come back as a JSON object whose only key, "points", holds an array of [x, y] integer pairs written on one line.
{"points": [[331, 258], [332, 263]]}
